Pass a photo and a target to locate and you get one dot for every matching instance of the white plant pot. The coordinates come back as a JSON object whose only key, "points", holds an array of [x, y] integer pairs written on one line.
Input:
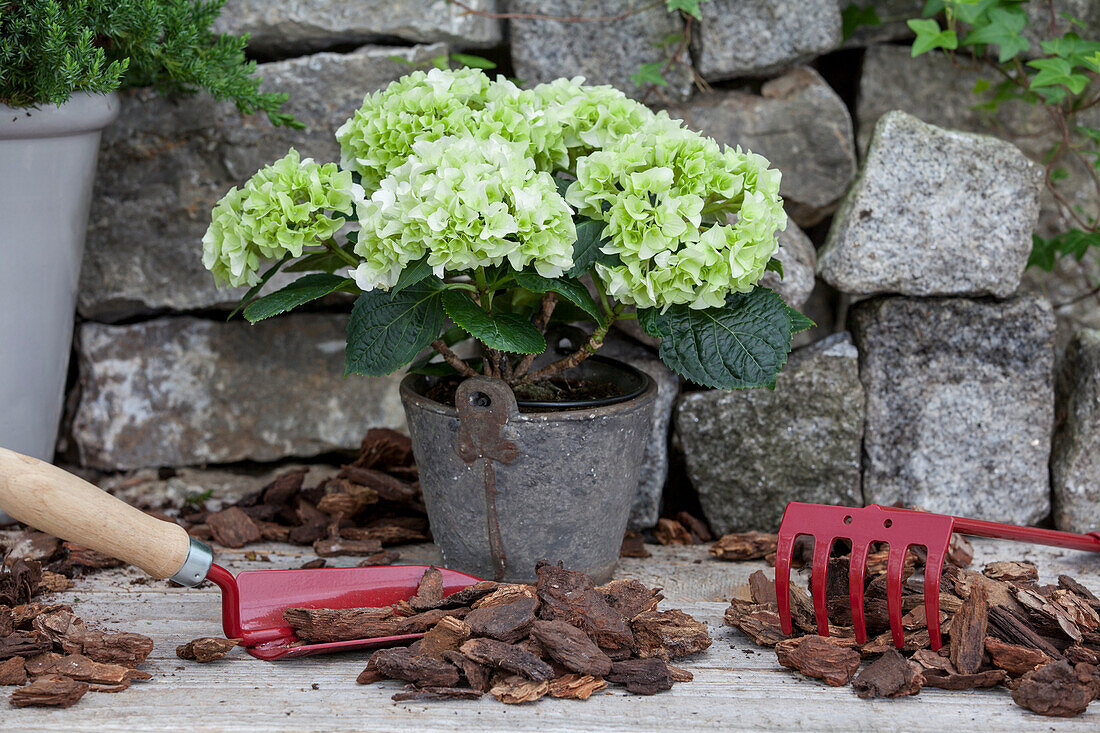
{"points": [[47, 167]]}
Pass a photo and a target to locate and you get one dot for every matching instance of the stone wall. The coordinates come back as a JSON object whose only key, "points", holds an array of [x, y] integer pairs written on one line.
{"points": [[942, 395]]}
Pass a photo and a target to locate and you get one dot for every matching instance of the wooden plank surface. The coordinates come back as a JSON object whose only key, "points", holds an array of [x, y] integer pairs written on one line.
{"points": [[737, 686]]}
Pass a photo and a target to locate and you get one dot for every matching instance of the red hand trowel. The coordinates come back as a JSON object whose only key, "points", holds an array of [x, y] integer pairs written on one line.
{"points": [[59, 503]]}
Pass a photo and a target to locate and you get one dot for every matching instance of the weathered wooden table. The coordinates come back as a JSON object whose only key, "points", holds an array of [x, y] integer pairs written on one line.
{"points": [[737, 686]]}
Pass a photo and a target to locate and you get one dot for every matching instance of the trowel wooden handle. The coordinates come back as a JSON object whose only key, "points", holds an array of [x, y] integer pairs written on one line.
{"points": [[55, 501]]}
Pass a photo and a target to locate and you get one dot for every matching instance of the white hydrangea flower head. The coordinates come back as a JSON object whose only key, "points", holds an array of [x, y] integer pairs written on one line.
{"points": [[464, 203], [284, 207], [667, 196]]}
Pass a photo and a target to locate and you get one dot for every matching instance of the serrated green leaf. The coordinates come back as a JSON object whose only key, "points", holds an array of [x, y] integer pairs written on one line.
{"points": [[569, 288], [586, 250], [474, 62], [799, 322], [854, 17], [301, 291], [248, 296], [930, 36], [775, 266], [318, 262], [412, 274], [741, 345], [503, 332], [386, 331], [649, 74]]}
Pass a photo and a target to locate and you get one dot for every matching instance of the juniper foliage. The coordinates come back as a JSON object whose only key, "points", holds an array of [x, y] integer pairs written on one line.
{"points": [[50, 49]]}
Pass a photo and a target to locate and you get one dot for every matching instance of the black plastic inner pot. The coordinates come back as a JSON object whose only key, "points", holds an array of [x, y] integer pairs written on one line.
{"points": [[628, 381]]}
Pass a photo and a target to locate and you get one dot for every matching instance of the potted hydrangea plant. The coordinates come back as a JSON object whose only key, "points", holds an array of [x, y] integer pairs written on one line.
{"points": [[482, 227]]}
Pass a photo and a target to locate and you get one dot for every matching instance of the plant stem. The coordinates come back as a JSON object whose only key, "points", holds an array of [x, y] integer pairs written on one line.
{"points": [[595, 341], [453, 359], [542, 319], [331, 246]]}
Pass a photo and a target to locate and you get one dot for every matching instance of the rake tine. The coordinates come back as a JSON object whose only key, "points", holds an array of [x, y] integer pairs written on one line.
{"points": [[822, 546], [933, 569], [857, 566], [894, 570], [784, 551]]}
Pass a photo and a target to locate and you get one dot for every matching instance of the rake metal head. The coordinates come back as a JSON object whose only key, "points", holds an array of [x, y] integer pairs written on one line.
{"points": [[898, 527]]}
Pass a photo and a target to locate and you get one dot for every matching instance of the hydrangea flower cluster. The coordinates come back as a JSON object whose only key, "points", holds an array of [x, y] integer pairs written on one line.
{"points": [[280, 210], [689, 221], [465, 203]]}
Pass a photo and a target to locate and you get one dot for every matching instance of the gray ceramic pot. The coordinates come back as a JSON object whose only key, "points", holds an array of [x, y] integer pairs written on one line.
{"points": [[506, 488], [47, 166]]}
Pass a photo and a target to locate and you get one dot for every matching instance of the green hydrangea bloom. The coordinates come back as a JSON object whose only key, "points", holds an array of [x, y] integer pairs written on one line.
{"points": [[596, 117], [465, 203], [690, 221], [281, 209]]}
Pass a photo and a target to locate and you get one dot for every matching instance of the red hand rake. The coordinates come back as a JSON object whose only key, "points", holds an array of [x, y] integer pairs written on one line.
{"points": [[902, 529]]}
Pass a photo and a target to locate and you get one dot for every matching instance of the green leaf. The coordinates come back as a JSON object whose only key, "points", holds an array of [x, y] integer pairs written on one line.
{"points": [[740, 345], [301, 291], [503, 332], [970, 11], [474, 62], [649, 74], [247, 298], [775, 266], [1056, 72], [386, 331], [1003, 29], [411, 275], [569, 288], [930, 36], [586, 250], [854, 17], [799, 322], [1072, 243], [691, 7], [319, 262]]}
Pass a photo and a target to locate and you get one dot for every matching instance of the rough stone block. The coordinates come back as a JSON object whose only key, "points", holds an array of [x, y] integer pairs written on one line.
{"points": [[604, 52], [960, 404], [164, 164], [798, 123], [291, 27], [934, 212], [1075, 464], [185, 391], [750, 452], [758, 37]]}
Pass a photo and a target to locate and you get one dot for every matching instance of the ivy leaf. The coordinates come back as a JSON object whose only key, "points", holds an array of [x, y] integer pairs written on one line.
{"points": [[1072, 243], [569, 288], [411, 275], [474, 62], [854, 17], [247, 297], [930, 36], [1056, 72], [691, 7], [386, 331], [741, 345], [503, 332], [649, 74], [586, 250], [301, 291], [1003, 29]]}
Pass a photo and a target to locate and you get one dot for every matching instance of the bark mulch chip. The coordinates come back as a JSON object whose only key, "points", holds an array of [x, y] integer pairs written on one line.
{"points": [[1001, 628]]}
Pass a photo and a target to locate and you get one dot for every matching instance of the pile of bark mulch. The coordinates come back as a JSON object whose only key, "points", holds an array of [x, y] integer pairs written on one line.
{"points": [[50, 562], [54, 658], [371, 504], [681, 529], [1001, 628], [562, 636]]}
